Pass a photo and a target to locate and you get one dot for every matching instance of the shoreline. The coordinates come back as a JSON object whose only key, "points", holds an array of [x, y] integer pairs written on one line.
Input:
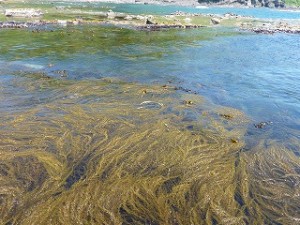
{"points": [[23, 17], [188, 3]]}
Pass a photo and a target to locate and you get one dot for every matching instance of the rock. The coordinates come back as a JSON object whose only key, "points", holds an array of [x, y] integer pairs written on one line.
{"points": [[187, 20], [148, 21], [234, 140], [215, 21], [273, 28], [60, 7], [102, 14], [20, 24], [62, 22], [128, 17], [227, 116], [188, 102], [138, 17], [120, 16], [111, 14], [75, 22], [262, 124], [150, 105], [23, 13]]}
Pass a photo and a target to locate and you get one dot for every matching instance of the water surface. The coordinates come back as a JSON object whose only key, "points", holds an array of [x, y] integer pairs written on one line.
{"points": [[117, 126]]}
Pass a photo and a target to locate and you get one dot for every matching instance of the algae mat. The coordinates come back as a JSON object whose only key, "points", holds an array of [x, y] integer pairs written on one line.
{"points": [[110, 152]]}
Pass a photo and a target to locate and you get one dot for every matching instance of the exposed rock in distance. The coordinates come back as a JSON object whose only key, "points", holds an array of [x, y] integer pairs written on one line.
{"points": [[215, 21], [248, 3]]}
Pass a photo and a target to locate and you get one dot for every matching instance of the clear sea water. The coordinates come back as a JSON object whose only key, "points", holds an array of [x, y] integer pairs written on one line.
{"points": [[258, 74], [103, 124]]}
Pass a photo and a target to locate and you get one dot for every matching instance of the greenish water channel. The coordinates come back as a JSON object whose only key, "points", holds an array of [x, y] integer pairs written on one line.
{"points": [[104, 125]]}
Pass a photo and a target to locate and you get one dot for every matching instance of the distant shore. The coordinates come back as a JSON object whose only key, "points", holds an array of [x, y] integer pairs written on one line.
{"points": [[192, 3], [152, 2], [33, 17]]}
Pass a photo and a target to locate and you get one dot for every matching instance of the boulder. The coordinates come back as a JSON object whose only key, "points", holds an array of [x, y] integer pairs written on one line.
{"points": [[102, 14], [148, 21], [138, 17], [215, 21], [120, 15], [128, 17], [62, 22], [111, 14]]}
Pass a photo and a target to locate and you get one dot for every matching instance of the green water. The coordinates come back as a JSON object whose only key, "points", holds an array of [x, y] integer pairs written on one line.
{"points": [[103, 125]]}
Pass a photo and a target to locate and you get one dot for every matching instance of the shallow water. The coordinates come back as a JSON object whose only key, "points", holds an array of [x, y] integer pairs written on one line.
{"points": [[116, 126]]}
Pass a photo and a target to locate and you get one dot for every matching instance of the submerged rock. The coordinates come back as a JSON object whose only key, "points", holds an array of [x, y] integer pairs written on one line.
{"points": [[262, 124], [227, 116], [188, 102], [150, 105]]}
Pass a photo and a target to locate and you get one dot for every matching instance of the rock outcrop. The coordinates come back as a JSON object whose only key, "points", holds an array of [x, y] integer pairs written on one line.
{"points": [[249, 3], [215, 21], [271, 28]]}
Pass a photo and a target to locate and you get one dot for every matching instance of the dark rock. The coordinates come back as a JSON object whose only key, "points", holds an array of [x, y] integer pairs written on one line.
{"points": [[148, 21]]}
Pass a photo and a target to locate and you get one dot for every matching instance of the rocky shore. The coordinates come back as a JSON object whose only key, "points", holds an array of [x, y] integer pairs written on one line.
{"points": [[224, 3], [32, 17], [271, 28], [156, 2]]}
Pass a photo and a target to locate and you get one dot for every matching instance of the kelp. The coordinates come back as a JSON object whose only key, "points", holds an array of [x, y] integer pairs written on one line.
{"points": [[110, 152]]}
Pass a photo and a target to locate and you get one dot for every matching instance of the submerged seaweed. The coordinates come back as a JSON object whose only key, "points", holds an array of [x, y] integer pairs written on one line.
{"points": [[90, 154]]}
